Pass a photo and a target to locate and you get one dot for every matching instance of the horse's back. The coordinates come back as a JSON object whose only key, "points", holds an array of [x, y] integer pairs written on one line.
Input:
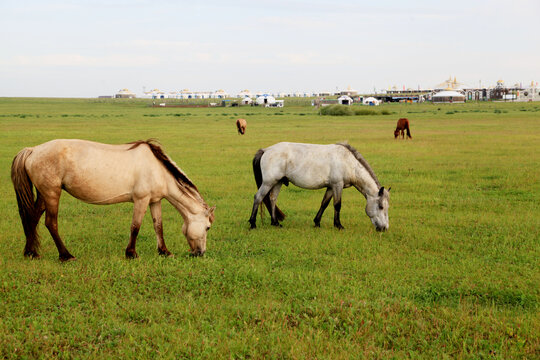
{"points": [[403, 123], [310, 166], [91, 171]]}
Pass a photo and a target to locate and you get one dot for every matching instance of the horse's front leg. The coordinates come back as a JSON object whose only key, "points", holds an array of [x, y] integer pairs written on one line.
{"points": [[139, 209], [337, 190], [324, 204], [155, 210], [259, 196]]}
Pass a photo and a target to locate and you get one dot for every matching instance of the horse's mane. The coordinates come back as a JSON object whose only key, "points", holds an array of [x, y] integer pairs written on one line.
{"points": [[362, 161], [182, 179]]}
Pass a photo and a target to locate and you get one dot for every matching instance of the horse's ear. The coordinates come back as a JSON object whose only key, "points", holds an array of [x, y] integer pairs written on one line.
{"points": [[390, 188], [210, 211], [381, 191]]}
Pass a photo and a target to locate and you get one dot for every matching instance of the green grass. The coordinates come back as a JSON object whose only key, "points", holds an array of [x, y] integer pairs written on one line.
{"points": [[456, 276]]}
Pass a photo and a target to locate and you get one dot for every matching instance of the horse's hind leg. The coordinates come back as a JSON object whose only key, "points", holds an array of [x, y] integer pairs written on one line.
{"points": [[273, 198], [155, 210], [32, 239], [51, 222], [324, 204], [259, 196]]}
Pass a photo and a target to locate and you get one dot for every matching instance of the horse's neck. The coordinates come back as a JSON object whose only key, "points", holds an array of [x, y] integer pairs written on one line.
{"points": [[185, 201], [364, 182]]}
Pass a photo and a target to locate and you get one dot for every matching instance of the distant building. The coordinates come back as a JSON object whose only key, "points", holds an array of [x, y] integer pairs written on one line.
{"points": [[244, 93], [265, 100], [155, 94], [448, 96], [345, 100], [451, 85], [220, 94], [532, 93], [348, 92], [125, 94], [371, 101]]}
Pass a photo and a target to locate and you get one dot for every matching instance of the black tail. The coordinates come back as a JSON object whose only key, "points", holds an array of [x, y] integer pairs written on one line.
{"points": [[25, 199], [259, 180], [408, 131]]}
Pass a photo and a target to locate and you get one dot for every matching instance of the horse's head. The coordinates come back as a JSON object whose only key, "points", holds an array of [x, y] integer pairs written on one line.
{"points": [[195, 229], [396, 134], [377, 209]]}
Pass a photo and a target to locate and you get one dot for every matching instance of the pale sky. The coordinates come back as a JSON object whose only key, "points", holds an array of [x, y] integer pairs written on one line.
{"points": [[61, 48]]}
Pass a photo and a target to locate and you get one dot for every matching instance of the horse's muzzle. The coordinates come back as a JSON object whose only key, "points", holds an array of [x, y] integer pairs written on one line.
{"points": [[197, 253], [381, 228]]}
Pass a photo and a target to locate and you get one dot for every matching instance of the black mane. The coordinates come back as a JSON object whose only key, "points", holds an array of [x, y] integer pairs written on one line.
{"points": [[362, 161], [166, 161]]}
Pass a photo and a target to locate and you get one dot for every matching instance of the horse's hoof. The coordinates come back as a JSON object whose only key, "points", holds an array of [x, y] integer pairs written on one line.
{"points": [[32, 255], [67, 258], [165, 253], [131, 255]]}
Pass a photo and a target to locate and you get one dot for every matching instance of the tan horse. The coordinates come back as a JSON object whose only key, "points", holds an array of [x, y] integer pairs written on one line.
{"points": [[138, 172], [241, 124]]}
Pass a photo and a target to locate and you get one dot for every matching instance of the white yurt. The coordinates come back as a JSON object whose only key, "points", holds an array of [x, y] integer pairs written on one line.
{"points": [[448, 96], [345, 100], [371, 101], [220, 94], [244, 93], [125, 94], [246, 101], [265, 100]]}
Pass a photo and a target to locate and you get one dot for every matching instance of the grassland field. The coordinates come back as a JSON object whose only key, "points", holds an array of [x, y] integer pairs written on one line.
{"points": [[455, 277]]}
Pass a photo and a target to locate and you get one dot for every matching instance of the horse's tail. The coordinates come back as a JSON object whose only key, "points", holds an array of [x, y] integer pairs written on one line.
{"points": [[259, 180], [408, 130], [25, 199]]}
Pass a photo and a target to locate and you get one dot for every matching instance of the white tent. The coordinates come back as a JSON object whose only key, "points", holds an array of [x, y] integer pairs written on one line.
{"points": [[448, 97], [265, 100], [125, 94], [371, 101], [344, 100], [247, 101], [243, 94]]}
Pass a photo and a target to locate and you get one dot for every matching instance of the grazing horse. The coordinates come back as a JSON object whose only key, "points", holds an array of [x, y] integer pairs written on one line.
{"points": [[311, 166], [139, 172], [402, 124], [241, 125]]}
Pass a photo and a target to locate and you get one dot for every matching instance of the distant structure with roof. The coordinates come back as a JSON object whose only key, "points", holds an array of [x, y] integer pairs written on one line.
{"points": [[125, 94], [450, 90]]}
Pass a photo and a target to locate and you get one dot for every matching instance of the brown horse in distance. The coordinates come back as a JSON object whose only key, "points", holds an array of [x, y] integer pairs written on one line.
{"points": [[402, 125], [241, 124]]}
